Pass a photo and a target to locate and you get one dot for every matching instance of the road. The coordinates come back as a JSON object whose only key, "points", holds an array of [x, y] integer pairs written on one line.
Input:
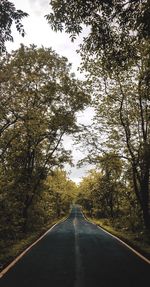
{"points": [[76, 253]]}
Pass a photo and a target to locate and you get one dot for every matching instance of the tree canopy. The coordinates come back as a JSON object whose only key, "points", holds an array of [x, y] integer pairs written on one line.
{"points": [[131, 14], [115, 58], [40, 99], [114, 26], [121, 123], [8, 16]]}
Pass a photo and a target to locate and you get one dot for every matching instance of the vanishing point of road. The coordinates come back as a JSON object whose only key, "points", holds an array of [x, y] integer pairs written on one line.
{"points": [[76, 253]]}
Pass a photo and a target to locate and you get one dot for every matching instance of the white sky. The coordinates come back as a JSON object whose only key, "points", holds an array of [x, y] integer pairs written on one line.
{"points": [[38, 32]]}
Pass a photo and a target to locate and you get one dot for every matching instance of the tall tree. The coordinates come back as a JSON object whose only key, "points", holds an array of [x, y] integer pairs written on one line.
{"points": [[110, 24], [116, 57], [122, 118], [99, 191], [40, 99], [63, 188]]}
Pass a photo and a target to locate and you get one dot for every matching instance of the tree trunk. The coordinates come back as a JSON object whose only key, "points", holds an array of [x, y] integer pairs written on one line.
{"points": [[145, 200], [146, 217], [142, 192], [25, 217]]}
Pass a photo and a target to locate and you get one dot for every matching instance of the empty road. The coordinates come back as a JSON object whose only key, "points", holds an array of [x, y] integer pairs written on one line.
{"points": [[76, 253]]}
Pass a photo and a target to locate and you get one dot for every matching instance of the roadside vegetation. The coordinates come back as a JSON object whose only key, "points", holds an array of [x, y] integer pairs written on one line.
{"points": [[53, 205], [139, 240], [116, 61], [110, 203], [40, 100]]}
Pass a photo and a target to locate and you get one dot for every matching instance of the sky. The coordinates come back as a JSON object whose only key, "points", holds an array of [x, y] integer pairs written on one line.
{"points": [[39, 32]]}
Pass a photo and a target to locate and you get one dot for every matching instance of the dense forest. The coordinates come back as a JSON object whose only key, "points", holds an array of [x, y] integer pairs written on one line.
{"points": [[39, 102], [40, 99], [116, 60]]}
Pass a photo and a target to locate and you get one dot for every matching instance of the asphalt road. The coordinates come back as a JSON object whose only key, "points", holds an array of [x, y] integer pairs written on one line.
{"points": [[76, 253]]}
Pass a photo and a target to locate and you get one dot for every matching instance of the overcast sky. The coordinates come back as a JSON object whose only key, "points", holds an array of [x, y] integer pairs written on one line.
{"points": [[38, 32]]}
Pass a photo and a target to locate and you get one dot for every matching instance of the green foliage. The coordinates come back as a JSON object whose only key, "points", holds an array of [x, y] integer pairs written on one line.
{"points": [[132, 15], [40, 99], [121, 100], [58, 193], [109, 197], [86, 189], [63, 189], [115, 26], [138, 239], [54, 201], [115, 57], [8, 15], [101, 191]]}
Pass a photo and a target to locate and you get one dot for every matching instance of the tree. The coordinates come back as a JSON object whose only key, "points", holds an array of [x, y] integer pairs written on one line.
{"points": [[115, 56], [101, 187], [122, 118], [87, 193], [115, 26], [8, 15], [40, 99], [111, 168], [63, 188], [54, 201], [75, 13]]}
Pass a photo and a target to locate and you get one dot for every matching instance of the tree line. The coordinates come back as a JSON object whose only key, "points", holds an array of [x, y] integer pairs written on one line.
{"points": [[40, 100], [116, 59]]}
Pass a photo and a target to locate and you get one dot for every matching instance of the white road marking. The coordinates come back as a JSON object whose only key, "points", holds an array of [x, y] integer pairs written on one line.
{"points": [[6, 269], [128, 246], [79, 271]]}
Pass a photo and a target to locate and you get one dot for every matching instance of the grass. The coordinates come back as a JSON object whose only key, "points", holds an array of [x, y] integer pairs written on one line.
{"points": [[140, 241], [10, 249]]}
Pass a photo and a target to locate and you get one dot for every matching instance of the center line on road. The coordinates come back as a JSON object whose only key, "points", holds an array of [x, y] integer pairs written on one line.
{"points": [[78, 262]]}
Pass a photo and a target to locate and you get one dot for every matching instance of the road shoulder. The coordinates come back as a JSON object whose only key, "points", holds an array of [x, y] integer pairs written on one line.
{"points": [[137, 248]]}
